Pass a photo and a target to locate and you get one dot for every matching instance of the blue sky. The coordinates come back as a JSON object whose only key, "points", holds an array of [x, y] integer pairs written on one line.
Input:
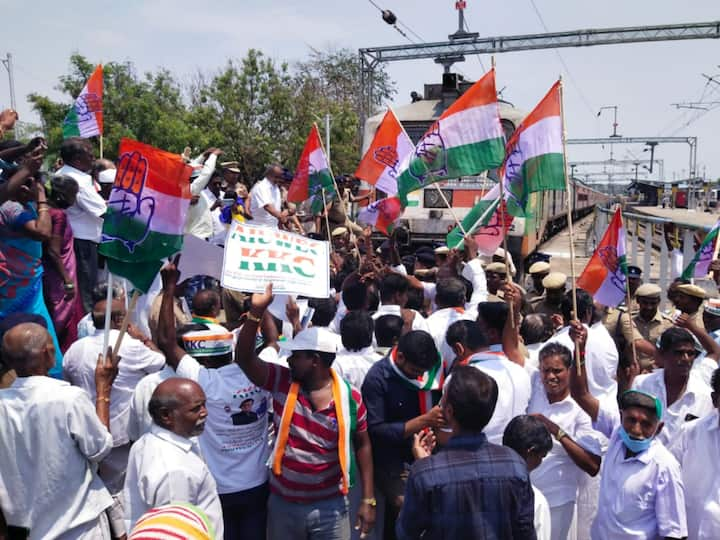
{"points": [[642, 79]]}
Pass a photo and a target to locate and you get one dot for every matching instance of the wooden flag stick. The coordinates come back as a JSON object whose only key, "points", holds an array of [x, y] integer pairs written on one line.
{"points": [[126, 320], [327, 219], [568, 200], [108, 312], [101, 149], [449, 207]]}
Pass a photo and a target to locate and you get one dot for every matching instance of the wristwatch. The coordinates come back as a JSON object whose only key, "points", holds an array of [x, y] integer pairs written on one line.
{"points": [[560, 434], [372, 502], [253, 318]]}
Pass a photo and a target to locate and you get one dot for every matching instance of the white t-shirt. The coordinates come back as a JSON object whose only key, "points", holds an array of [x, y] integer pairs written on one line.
{"points": [[558, 477], [85, 216], [695, 402], [438, 323], [140, 421], [234, 442], [513, 389], [696, 448], [264, 192], [354, 365]]}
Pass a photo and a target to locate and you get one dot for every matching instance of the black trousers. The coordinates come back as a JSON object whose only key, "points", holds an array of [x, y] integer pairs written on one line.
{"points": [[245, 513], [86, 255]]}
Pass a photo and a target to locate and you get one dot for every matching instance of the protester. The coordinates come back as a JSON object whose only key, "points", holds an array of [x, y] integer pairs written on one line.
{"points": [[393, 297], [60, 285], [577, 446], [311, 468], [234, 442], [165, 465], [401, 393], [450, 297], [388, 330], [56, 436], [138, 357], [24, 225], [266, 199], [692, 446], [85, 216], [470, 489], [535, 330], [103, 172], [529, 437], [357, 355], [199, 220], [641, 490]]}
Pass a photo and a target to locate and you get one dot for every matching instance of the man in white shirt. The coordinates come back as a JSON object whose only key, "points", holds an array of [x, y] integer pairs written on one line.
{"points": [[450, 300], [482, 349], [393, 297], [213, 196], [602, 355], [683, 395], [52, 437], [266, 199], [235, 441], [199, 218], [692, 446], [165, 465], [86, 215], [137, 359], [357, 355], [536, 329], [642, 495], [529, 437]]}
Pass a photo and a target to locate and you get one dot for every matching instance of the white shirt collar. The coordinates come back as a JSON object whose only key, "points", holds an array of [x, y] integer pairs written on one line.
{"points": [[181, 442]]}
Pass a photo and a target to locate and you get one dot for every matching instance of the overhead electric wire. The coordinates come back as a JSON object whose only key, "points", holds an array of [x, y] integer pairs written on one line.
{"points": [[395, 25], [583, 98]]}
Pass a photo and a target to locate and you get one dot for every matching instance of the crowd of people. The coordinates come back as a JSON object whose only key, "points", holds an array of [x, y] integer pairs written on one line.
{"points": [[429, 396]]}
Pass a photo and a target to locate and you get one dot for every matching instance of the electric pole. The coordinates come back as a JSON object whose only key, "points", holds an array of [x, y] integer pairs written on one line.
{"points": [[7, 62]]}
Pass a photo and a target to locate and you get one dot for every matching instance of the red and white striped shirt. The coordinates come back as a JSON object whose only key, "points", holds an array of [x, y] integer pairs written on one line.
{"points": [[310, 464]]}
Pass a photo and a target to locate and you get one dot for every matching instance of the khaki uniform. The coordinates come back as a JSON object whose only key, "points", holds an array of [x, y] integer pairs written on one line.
{"points": [[533, 296], [543, 306], [641, 329]]}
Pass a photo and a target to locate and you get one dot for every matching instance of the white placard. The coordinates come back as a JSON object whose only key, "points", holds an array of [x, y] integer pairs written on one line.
{"points": [[200, 258], [256, 255]]}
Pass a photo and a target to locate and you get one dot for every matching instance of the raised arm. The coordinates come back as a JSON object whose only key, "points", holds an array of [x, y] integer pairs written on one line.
{"points": [[255, 369], [511, 330], [166, 332], [708, 343], [578, 374]]}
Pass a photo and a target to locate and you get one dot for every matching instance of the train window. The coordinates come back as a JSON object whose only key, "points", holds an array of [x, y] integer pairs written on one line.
{"points": [[432, 199]]}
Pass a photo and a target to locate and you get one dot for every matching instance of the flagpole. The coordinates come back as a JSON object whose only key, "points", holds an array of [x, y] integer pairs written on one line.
{"points": [[629, 309], [568, 204], [327, 218], [108, 312], [101, 146], [449, 207], [126, 320]]}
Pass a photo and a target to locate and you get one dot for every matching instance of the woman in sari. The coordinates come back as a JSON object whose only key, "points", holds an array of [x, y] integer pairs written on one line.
{"points": [[24, 225], [59, 265]]}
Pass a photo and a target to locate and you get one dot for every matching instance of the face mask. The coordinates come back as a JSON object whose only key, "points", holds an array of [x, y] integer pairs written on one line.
{"points": [[634, 445]]}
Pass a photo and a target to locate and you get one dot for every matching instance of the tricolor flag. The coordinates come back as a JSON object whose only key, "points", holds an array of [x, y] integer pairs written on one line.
{"points": [[605, 275], [389, 148], [535, 159], [312, 174], [382, 214], [85, 118], [146, 212], [700, 263], [467, 139], [484, 223]]}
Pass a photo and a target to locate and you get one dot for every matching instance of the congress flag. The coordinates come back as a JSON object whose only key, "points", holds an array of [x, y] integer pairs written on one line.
{"points": [[535, 160], [467, 139], [700, 263], [485, 223], [312, 174], [146, 212], [382, 214], [390, 147], [605, 276], [85, 118]]}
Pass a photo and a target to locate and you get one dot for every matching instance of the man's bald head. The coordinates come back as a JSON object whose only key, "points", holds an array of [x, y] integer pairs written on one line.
{"points": [[274, 173], [28, 349], [178, 405]]}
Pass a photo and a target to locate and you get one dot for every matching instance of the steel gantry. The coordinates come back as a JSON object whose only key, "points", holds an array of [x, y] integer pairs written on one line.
{"points": [[453, 50]]}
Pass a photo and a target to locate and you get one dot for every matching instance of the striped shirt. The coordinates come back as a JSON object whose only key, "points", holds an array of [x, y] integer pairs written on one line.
{"points": [[310, 464]]}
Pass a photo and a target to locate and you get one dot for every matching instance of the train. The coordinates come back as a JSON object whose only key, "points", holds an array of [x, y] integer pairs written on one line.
{"points": [[428, 218]]}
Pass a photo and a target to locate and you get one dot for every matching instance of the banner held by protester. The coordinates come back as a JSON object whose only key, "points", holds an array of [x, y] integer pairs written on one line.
{"points": [[295, 264]]}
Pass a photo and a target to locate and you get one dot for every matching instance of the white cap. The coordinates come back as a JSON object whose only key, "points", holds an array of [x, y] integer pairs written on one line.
{"points": [[107, 176], [312, 339]]}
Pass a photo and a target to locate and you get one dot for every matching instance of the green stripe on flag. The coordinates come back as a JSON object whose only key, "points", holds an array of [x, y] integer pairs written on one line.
{"points": [[71, 126], [470, 222], [141, 275], [544, 173], [150, 246], [463, 160], [316, 183]]}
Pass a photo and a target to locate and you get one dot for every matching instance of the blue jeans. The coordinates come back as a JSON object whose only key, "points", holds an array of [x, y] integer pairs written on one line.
{"points": [[327, 519], [245, 513]]}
